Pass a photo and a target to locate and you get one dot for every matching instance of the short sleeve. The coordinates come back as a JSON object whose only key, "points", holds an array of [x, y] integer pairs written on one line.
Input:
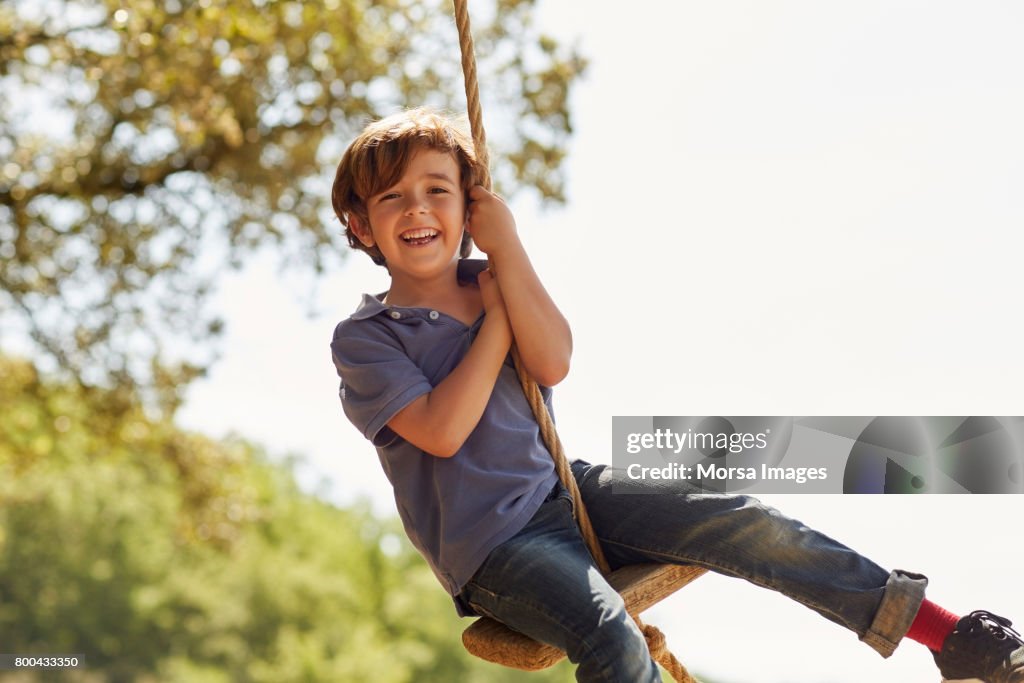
{"points": [[378, 379]]}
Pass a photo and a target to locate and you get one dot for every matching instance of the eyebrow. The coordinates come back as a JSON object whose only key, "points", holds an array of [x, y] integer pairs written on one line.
{"points": [[440, 176]]}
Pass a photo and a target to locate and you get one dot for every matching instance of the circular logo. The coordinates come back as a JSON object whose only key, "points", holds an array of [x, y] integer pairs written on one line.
{"points": [[935, 455]]}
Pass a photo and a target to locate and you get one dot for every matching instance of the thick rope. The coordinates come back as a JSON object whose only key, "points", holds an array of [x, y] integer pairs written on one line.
{"points": [[662, 655], [476, 118], [530, 387], [554, 444], [654, 637]]}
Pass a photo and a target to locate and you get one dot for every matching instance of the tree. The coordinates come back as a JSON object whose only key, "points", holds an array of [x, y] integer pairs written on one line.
{"points": [[149, 144], [163, 555]]}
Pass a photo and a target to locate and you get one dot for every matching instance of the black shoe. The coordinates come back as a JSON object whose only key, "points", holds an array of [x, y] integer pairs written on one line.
{"points": [[982, 647]]}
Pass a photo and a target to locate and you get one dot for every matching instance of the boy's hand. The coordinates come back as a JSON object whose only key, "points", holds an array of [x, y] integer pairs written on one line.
{"points": [[440, 421], [494, 302], [490, 221], [490, 292]]}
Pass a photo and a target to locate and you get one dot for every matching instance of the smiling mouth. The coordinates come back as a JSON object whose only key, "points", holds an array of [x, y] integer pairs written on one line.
{"points": [[419, 236]]}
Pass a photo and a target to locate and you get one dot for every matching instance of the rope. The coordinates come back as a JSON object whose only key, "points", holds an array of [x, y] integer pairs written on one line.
{"points": [[654, 637], [476, 118], [662, 655], [554, 444], [533, 395]]}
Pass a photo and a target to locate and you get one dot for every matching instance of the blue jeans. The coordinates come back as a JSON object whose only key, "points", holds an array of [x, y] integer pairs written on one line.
{"points": [[543, 581]]}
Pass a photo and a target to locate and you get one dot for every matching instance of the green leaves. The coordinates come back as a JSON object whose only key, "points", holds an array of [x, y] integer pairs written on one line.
{"points": [[144, 148], [151, 144], [164, 555]]}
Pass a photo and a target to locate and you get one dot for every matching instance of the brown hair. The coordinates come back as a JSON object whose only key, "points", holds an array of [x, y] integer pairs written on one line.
{"points": [[377, 159]]}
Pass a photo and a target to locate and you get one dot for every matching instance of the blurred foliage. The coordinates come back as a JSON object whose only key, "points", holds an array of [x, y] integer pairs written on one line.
{"points": [[166, 556], [146, 145]]}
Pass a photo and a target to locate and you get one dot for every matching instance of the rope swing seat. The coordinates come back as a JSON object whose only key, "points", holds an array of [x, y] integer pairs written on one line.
{"points": [[640, 586]]}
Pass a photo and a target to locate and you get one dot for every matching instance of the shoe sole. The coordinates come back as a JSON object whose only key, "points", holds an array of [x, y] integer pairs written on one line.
{"points": [[962, 680]]}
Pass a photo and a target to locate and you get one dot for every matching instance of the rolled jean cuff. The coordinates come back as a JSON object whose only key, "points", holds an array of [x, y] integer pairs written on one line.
{"points": [[904, 592]]}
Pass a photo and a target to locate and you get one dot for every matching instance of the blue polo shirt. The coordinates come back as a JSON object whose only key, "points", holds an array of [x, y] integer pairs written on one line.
{"points": [[455, 510]]}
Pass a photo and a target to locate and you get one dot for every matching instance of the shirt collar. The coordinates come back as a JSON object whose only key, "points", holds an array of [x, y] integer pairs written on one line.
{"points": [[371, 305]]}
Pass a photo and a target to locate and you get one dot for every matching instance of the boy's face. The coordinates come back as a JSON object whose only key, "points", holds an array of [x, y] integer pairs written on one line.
{"points": [[417, 223]]}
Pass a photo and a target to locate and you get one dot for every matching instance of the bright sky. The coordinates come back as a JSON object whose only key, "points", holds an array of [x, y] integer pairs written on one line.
{"points": [[785, 208]]}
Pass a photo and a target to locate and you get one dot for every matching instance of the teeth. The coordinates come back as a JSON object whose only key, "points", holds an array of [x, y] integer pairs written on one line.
{"points": [[418, 233]]}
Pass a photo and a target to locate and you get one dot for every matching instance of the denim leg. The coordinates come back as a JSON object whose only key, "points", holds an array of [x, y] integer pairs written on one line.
{"points": [[542, 582], [739, 536]]}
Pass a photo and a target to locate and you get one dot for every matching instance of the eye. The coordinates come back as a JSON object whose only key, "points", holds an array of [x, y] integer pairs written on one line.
{"points": [[387, 195], [438, 190]]}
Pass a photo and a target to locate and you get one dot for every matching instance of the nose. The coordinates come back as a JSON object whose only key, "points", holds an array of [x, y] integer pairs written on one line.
{"points": [[415, 205]]}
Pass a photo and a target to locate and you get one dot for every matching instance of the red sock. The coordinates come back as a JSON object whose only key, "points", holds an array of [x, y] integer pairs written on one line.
{"points": [[931, 625]]}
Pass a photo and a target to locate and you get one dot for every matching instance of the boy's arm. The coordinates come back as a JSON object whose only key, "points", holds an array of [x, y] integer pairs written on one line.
{"points": [[541, 332], [439, 422]]}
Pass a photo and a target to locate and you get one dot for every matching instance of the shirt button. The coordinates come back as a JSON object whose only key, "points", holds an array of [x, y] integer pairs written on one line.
{"points": [[434, 315], [395, 314]]}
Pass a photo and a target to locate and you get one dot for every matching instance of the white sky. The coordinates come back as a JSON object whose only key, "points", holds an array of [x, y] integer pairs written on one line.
{"points": [[776, 208]]}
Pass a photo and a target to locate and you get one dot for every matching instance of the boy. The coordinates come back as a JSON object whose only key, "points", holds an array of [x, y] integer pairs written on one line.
{"points": [[425, 376]]}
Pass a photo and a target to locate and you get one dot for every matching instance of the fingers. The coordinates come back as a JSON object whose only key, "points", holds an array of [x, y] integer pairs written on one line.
{"points": [[486, 278], [490, 291], [489, 221], [479, 192], [488, 282]]}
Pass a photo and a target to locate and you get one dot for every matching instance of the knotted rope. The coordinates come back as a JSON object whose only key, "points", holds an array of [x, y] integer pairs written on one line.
{"points": [[654, 637]]}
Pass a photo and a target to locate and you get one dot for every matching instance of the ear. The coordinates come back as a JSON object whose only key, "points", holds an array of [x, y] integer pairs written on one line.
{"points": [[361, 230]]}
